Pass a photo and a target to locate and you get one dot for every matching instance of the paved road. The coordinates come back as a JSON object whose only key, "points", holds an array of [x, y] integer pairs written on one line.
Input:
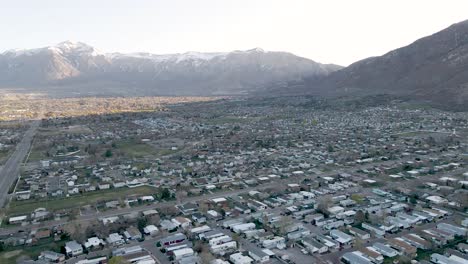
{"points": [[10, 171]]}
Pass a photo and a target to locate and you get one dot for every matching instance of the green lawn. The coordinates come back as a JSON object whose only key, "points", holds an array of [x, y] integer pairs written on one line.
{"points": [[136, 149], [25, 207], [36, 155]]}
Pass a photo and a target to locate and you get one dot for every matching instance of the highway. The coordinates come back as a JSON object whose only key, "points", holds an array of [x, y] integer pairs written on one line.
{"points": [[10, 171]]}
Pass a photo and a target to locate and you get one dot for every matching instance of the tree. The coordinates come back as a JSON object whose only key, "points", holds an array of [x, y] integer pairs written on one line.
{"points": [[108, 153], [203, 207], [359, 217], [358, 244], [76, 232], [323, 205], [169, 210], [206, 257], [181, 195], [284, 223], [142, 222], [165, 194]]}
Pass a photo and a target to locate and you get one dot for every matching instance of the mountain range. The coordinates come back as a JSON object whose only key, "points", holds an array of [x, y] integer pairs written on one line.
{"points": [[75, 67], [432, 69]]}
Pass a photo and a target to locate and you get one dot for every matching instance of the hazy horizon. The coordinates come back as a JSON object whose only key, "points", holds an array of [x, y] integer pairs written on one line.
{"points": [[336, 31]]}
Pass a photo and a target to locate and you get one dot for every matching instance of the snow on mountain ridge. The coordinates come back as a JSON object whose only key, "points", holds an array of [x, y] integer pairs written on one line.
{"points": [[78, 48]]}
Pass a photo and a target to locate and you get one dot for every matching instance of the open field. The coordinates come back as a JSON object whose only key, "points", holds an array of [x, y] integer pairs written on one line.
{"points": [[136, 149], [24, 207]]}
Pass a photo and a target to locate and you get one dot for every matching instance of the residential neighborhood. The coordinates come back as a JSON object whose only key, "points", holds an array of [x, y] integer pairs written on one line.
{"points": [[241, 182]]}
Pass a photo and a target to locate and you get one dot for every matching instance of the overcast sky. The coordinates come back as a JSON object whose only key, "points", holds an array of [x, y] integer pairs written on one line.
{"points": [[328, 31]]}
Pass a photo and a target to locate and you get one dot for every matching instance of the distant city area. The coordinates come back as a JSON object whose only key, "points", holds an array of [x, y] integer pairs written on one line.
{"points": [[237, 180]]}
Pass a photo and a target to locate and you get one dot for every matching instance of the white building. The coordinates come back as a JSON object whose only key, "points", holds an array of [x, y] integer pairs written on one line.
{"points": [[238, 258]]}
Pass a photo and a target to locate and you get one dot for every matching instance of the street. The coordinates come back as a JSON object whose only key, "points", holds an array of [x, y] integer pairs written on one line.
{"points": [[10, 171]]}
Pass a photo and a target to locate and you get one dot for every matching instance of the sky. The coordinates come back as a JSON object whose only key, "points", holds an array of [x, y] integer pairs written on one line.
{"points": [[327, 31]]}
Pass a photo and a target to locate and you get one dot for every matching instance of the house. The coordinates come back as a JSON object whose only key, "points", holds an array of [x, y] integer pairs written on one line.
{"points": [[200, 230], [210, 234], [436, 199], [223, 248], [238, 258], [434, 237], [242, 208], [94, 242], [139, 257], [212, 214], [456, 230], [372, 254], [126, 250], [174, 239], [327, 241], [359, 233], [17, 219], [199, 218], [341, 237], [258, 255], [23, 195], [295, 235], [40, 234], [105, 186], [133, 233], [146, 199], [188, 208], [168, 225], [257, 206], [243, 227], [181, 222], [182, 253], [385, 250], [416, 241], [150, 212], [219, 240], [379, 232], [112, 204], [314, 218], [150, 230], [355, 257], [170, 249], [109, 220], [334, 224], [115, 239], [52, 257], [73, 248], [313, 246], [233, 222], [334, 210], [276, 242], [402, 246], [441, 259]]}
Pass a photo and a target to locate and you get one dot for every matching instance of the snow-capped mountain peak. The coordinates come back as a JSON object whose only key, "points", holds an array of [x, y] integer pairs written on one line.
{"points": [[76, 47], [235, 72]]}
